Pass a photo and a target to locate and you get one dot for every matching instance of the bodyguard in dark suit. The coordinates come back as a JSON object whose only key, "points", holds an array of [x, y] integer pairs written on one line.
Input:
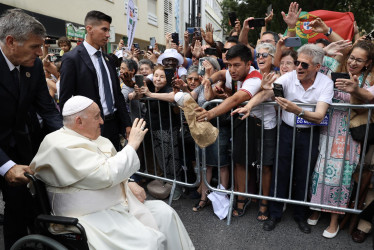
{"points": [[89, 72], [23, 91]]}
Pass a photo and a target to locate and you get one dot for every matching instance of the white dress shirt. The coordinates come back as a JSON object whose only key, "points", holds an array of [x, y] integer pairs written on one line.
{"points": [[91, 52], [321, 91]]}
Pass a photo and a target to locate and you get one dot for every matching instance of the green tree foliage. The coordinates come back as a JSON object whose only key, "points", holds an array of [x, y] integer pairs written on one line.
{"points": [[363, 11]]}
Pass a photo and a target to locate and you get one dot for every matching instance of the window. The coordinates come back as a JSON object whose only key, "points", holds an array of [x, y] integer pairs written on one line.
{"points": [[168, 17], [152, 12]]}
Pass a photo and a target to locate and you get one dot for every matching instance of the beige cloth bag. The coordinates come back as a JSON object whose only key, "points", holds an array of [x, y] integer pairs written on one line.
{"points": [[204, 133]]}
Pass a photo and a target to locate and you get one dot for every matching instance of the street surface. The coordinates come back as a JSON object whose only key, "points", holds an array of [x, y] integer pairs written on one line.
{"points": [[207, 232]]}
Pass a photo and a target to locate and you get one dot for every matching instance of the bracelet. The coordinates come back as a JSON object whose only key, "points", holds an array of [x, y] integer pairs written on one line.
{"points": [[210, 80], [291, 30], [329, 32]]}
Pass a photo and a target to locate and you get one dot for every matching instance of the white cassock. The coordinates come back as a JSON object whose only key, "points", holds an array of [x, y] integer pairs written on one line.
{"points": [[85, 179]]}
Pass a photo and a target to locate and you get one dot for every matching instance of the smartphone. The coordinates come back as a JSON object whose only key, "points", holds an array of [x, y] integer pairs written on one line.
{"points": [[370, 36], [169, 73], [136, 46], [52, 58], [139, 80], [210, 51], [201, 69], [50, 41], [336, 75], [152, 41], [175, 38], [257, 22], [190, 30], [150, 48], [292, 42], [232, 18], [269, 9], [278, 90]]}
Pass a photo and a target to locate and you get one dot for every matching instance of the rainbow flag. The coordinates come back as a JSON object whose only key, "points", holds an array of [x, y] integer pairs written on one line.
{"points": [[340, 22]]}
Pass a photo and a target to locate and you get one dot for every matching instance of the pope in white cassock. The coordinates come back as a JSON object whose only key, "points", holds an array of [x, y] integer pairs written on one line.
{"points": [[86, 178]]}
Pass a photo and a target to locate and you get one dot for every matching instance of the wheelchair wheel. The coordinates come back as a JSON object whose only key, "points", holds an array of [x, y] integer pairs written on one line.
{"points": [[38, 242]]}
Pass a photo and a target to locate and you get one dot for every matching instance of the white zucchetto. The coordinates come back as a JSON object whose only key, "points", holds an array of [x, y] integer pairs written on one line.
{"points": [[76, 104]]}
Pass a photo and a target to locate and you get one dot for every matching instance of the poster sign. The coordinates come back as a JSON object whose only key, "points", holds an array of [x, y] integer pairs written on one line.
{"points": [[75, 33], [131, 22]]}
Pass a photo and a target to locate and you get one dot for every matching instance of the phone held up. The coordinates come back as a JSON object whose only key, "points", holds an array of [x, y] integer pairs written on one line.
{"points": [[278, 90], [337, 75], [292, 42], [201, 69], [232, 18], [175, 38], [257, 22], [139, 80], [169, 73]]}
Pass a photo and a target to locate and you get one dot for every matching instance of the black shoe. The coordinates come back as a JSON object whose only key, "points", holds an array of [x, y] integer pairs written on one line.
{"points": [[270, 224], [303, 226], [1, 219]]}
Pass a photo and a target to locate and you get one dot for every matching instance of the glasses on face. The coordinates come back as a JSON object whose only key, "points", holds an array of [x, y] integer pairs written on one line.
{"points": [[304, 65], [264, 55], [224, 50], [267, 41], [289, 63], [358, 60], [193, 78]]}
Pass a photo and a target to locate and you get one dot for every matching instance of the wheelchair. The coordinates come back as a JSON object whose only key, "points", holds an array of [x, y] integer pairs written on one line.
{"points": [[42, 238]]}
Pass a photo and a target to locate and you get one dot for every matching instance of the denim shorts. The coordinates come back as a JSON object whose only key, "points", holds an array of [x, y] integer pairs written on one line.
{"points": [[211, 151]]}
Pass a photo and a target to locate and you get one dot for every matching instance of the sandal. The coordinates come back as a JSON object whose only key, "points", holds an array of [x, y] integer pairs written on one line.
{"points": [[266, 213], [241, 211], [198, 207]]}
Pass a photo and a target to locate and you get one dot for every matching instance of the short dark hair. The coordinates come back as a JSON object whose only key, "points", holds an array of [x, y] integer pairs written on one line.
{"points": [[239, 50], [232, 39], [131, 64], [323, 41], [64, 39], [275, 35], [291, 53], [94, 17]]}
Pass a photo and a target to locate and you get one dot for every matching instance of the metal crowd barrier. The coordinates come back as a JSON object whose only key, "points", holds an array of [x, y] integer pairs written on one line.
{"points": [[305, 202], [151, 167]]}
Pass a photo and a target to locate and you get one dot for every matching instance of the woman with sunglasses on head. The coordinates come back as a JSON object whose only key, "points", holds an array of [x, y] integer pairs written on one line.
{"points": [[265, 58], [333, 186]]}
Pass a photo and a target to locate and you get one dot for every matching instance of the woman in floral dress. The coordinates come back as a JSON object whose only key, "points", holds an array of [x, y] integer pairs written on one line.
{"points": [[332, 181]]}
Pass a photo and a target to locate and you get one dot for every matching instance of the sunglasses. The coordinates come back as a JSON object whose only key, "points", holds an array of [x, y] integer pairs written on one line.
{"points": [[224, 50], [264, 55], [303, 64], [193, 78]]}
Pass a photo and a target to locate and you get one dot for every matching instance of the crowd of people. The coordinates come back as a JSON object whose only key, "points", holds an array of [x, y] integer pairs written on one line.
{"points": [[324, 158]]}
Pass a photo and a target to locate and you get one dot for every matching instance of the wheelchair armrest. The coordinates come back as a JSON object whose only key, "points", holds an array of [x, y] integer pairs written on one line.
{"points": [[57, 219]]}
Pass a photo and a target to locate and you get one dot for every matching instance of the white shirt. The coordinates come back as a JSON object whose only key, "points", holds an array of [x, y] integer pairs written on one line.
{"points": [[251, 87], [6, 166], [321, 91], [91, 52]]}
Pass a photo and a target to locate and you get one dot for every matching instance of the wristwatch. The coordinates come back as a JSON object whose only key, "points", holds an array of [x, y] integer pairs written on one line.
{"points": [[302, 113], [328, 32]]}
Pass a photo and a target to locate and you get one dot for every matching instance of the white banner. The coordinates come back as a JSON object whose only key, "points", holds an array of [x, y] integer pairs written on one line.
{"points": [[131, 22]]}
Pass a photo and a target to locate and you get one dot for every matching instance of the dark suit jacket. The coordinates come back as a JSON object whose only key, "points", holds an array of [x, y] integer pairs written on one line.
{"points": [[16, 106], [78, 77]]}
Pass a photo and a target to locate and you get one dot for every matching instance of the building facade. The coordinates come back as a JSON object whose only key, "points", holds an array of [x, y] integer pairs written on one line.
{"points": [[155, 17]]}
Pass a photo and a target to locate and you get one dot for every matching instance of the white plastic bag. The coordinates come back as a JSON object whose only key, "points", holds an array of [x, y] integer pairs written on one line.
{"points": [[220, 203]]}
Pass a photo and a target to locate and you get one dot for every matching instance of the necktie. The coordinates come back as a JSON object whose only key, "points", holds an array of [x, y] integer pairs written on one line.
{"points": [[15, 73], [108, 93]]}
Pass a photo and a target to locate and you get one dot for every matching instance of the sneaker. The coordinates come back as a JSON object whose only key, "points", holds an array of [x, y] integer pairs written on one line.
{"points": [[177, 193]]}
